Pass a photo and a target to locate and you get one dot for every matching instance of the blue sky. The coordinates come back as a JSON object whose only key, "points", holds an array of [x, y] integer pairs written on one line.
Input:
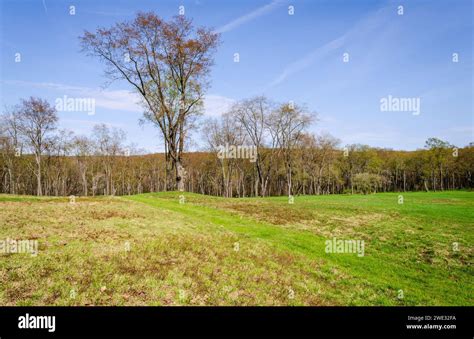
{"points": [[295, 57]]}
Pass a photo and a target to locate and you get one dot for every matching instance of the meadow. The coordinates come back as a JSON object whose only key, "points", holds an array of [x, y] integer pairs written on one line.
{"points": [[175, 248]]}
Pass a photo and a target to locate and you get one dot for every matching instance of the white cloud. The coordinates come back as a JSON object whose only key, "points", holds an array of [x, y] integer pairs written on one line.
{"points": [[249, 16], [327, 119], [216, 105], [122, 100], [118, 100]]}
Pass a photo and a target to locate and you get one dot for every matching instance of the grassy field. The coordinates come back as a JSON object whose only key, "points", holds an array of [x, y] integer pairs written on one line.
{"points": [[168, 249]]}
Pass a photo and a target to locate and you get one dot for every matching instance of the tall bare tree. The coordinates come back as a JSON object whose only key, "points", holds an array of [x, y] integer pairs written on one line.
{"points": [[11, 145], [82, 149], [253, 115], [108, 146], [220, 133], [36, 120], [287, 124], [167, 64]]}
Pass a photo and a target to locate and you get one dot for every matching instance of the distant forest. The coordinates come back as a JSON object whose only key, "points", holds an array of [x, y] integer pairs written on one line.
{"points": [[38, 159]]}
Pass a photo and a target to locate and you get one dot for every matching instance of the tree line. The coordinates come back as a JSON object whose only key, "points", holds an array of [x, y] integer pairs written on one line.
{"points": [[39, 159]]}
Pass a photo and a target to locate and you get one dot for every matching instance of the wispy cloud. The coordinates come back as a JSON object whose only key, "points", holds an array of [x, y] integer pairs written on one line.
{"points": [[122, 100], [308, 60], [45, 8], [249, 16], [369, 23], [216, 105]]}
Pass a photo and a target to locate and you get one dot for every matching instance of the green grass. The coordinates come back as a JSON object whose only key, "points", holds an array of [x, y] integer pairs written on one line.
{"points": [[253, 251]]}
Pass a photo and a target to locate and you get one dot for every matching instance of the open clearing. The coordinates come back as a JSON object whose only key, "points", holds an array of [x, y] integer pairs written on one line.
{"points": [[156, 249]]}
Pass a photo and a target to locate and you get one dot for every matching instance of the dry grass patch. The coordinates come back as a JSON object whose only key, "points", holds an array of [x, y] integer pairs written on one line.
{"points": [[116, 252]]}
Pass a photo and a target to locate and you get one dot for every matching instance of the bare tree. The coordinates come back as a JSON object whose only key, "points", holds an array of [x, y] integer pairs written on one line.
{"points": [[167, 63], [325, 146], [58, 146], [252, 115], [319, 154], [11, 145], [82, 149], [108, 146], [287, 124], [220, 133], [36, 120]]}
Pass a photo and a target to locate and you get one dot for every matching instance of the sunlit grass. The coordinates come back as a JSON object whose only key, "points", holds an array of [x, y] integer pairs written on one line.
{"points": [[161, 249]]}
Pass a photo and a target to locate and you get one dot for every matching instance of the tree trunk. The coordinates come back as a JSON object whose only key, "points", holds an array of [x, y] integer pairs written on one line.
{"points": [[180, 176], [404, 181], [39, 190]]}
